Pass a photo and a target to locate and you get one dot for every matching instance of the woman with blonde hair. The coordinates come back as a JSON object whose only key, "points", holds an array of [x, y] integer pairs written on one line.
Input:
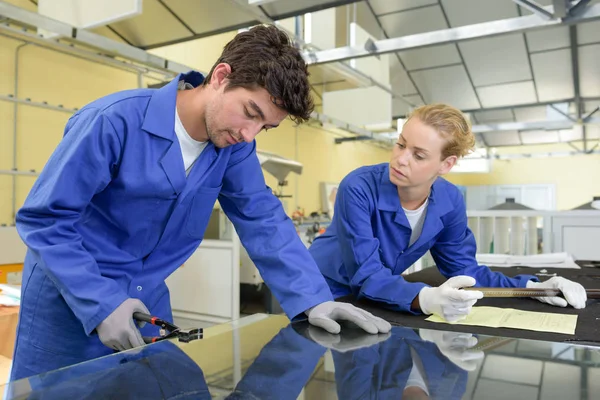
{"points": [[387, 216]]}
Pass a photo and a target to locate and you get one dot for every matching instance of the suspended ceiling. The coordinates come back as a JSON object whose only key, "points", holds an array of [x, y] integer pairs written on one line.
{"points": [[507, 78], [499, 75], [165, 22]]}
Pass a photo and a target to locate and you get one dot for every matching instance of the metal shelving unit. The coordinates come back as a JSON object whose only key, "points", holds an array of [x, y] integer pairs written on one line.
{"points": [[32, 103], [21, 25]]}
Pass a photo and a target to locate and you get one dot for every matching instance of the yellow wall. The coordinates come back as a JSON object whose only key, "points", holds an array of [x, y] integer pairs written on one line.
{"points": [[199, 54], [576, 178], [322, 159], [44, 75]]}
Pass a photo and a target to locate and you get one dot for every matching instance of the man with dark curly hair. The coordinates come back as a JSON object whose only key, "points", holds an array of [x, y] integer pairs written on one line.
{"points": [[125, 198]]}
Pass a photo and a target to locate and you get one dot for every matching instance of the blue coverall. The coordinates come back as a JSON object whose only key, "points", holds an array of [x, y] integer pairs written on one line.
{"points": [[365, 249], [112, 215]]}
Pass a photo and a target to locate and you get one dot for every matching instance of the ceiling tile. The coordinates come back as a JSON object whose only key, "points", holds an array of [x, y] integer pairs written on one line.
{"points": [[279, 8], [570, 135], [468, 12], [538, 137], [589, 65], [506, 95], [400, 80], [505, 138], [545, 3], [200, 15], [141, 30], [529, 114], [547, 39], [106, 32], [433, 56], [496, 60], [542, 3], [446, 85], [588, 32], [388, 6], [401, 108], [553, 75], [590, 106], [364, 18], [414, 21], [593, 131], [486, 117]]}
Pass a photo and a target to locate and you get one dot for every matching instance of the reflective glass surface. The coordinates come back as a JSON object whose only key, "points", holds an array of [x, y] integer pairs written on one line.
{"points": [[266, 357]]}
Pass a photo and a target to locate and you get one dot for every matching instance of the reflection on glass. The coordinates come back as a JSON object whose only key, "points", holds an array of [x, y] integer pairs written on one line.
{"points": [[268, 358], [158, 371]]}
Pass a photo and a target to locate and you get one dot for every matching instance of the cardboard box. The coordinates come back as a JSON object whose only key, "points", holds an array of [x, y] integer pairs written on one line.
{"points": [[9, 317], [4, 369]]}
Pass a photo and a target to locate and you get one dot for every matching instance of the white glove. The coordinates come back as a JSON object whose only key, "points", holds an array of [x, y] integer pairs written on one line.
{"points": [[574, 293], [345, 342], [325, 314], [118, 330], [455, 346], [447, 301]]}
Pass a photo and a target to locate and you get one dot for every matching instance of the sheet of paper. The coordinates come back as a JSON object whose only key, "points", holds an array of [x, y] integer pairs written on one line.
{"points": [[496, 317], [551, 260]]}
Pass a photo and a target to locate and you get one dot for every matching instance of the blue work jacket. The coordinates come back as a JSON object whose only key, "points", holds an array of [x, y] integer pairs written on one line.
{"points": [[365, 249], [381, 371], [282, 369], [112, 214], [157, 371], [287, 363]]}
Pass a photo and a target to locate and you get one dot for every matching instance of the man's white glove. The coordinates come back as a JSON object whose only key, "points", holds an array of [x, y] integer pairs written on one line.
{"points": [[574, 293], [455, 346], [345, 341], [325, 314], [448, 301], [118, 330]]}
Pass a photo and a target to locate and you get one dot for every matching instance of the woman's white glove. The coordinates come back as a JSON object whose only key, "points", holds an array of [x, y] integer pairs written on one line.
{"points": [[448, 301], [455, 346], [574, 293]]}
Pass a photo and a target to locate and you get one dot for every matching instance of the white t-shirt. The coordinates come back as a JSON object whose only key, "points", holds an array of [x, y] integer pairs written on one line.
{"points": [[190, 148], [415, 378], [416, 218]]}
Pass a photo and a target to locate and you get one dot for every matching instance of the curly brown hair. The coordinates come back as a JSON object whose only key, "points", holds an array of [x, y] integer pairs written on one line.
{"points": [[451, 124], [265, 57]]}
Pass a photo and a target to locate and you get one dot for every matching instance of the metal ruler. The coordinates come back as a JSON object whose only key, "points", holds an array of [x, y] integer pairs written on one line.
{"points": [[524, 292]]}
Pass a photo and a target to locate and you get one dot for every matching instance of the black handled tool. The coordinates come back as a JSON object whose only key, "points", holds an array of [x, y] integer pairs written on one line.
{"points": [[168, 330], [528, 292]]}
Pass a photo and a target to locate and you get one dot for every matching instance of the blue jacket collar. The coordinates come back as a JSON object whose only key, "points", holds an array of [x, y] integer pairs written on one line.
{"points": [[439, 201], [160, 121], [440, 204], [160, 114], [388, 193]]}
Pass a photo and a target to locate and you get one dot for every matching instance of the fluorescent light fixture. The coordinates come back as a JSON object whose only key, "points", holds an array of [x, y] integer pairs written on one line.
{"points": [[259, 2], [400, 123], [308, 28]]}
